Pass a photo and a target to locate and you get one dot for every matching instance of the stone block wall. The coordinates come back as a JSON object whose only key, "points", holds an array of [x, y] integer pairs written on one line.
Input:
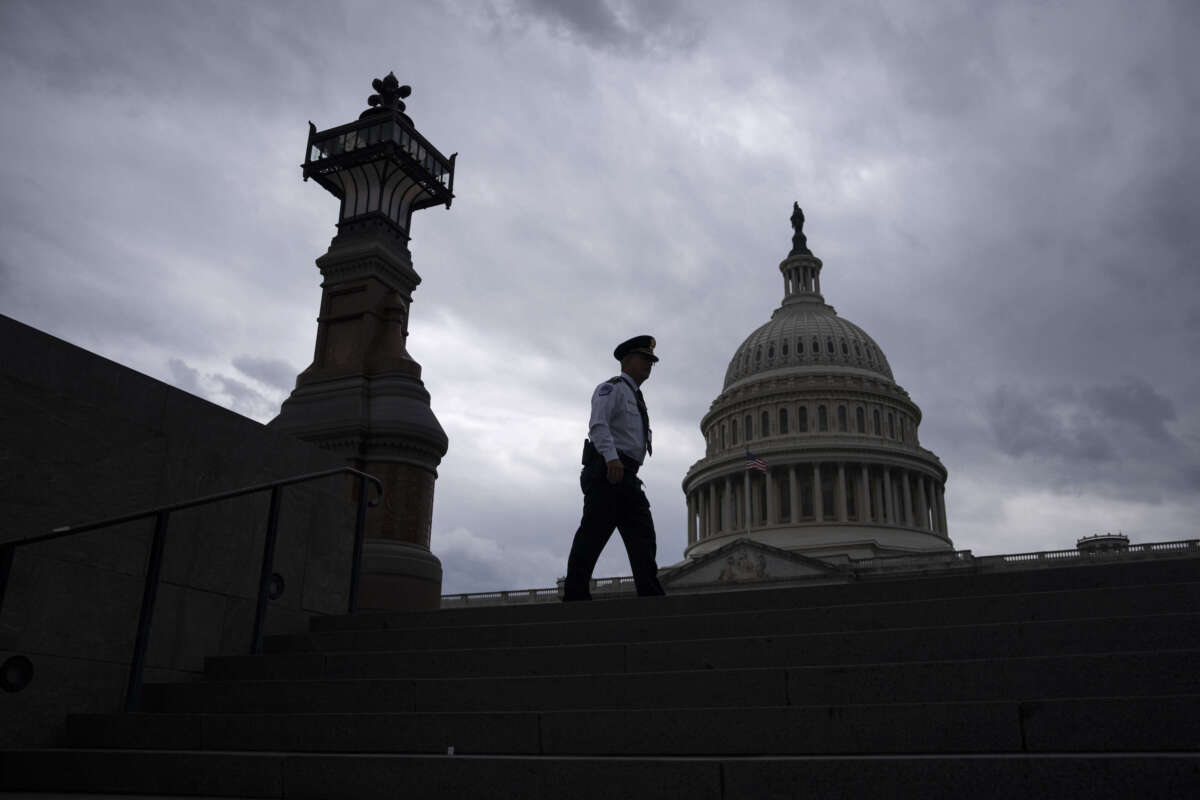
{"points": [[83, 438]]}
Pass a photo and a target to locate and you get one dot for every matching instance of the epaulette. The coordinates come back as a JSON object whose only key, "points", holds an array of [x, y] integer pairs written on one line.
{"points": [[606, 387]]}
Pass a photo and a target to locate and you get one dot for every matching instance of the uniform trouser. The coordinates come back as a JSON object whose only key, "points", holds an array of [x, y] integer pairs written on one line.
{"points": [[606, 506]]}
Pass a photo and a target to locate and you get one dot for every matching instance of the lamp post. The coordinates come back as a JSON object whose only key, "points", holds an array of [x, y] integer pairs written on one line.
{"points": [[362, 396]]}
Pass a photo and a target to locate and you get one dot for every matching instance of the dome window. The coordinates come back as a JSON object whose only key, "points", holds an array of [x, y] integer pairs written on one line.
{"points": [[845, 348], [783, 420], [749, 427], [822, 419], [861, 419], [799, 347], [722, 437], [842, 419], [784, 347], [802, 419], [765, 429], [878, 431], [758, 355], [891, 425], [816, 347], [829, 345], [733, 429], [770, 351]]}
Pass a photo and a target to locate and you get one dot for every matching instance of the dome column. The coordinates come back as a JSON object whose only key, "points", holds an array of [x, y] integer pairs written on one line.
{"points": [[889, 501], [943, 528], [818, 500], [691, 525], [772, 497], [727, 504], [922, 503], [712, 507], [793, 493], [906, 493], [876, 498], [864, 495], [840, 493], [745, 503]]}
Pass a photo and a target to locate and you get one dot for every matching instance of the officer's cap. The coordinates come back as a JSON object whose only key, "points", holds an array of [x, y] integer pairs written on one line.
{"points": [[638, 344]]}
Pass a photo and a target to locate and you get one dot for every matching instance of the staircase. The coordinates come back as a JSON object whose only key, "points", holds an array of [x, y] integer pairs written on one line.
{"points": [[1079, 681]]}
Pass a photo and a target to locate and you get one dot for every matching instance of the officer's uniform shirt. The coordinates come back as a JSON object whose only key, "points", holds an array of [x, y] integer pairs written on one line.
{"points": [[616, 424]]}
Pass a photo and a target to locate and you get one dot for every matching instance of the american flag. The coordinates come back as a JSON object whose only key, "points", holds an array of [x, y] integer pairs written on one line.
{"points": [[754, 462]]}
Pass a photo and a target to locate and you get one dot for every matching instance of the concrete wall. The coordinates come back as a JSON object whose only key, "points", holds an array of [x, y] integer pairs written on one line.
{"points": [[83, 438]]}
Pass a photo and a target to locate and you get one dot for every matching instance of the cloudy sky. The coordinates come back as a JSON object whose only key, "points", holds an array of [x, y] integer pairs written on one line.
{"points": [[1006, 196]]}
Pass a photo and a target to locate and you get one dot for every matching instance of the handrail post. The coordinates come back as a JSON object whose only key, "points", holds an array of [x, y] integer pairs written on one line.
{"points": [[264, 579], [7, 553], [360, 525], [133, 690]]}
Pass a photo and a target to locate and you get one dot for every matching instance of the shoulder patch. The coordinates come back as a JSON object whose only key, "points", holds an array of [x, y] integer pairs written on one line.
{"points": [[605, 389]]}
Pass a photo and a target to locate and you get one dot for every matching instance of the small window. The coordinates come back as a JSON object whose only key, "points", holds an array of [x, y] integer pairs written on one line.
{"points": [[749, 427], [816, 346], [842, 419], [903, 429], [891, 425], [861, 419], [845, 348], [758, 355], [800, 347], [722, 437], [829, 346], [765, 429], [802, 419], [784, 346], [878, 432], [783, 420], [822, 418], [770, 351], [733, 430]]}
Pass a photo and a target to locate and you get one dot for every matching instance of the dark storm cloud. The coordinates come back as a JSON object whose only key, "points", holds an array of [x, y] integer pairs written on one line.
{"points": [[1113, 438], [273, 372], [1003, 194], [630, 26]]}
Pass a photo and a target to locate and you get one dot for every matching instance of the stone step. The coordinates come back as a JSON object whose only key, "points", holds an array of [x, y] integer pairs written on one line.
{"points": [[1055, 637], [1118, 775], [1017, 679], [1075, 603], [1040, 726], [864, 590]]}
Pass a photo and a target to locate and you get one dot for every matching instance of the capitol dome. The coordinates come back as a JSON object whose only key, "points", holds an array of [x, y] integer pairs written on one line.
{"points": [[811, 445]]}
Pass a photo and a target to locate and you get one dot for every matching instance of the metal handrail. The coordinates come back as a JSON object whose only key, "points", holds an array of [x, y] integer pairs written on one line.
{"points": [[161, 514]]}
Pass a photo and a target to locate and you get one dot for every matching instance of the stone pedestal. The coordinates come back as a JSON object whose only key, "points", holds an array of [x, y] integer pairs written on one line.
{"points": [[362, 398]]}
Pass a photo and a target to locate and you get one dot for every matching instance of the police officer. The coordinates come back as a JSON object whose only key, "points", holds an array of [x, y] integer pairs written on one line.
{"points": [[617, 444]]}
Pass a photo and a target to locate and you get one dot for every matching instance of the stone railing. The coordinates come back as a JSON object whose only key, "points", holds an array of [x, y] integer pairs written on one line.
{"points": [[954, 561]]}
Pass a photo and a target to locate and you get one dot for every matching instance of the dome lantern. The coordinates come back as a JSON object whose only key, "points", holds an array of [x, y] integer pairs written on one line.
{"points": [[801, 269]]}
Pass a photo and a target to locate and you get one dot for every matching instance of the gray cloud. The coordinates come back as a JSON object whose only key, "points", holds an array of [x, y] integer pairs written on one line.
{"points": [[185, 377], [223, 390], [1113, 438], [274, 372], [1003, 198], [629, 26]]}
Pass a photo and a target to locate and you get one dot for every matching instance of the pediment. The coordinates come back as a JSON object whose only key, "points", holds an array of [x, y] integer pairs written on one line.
{"points": [[746, 561]]}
